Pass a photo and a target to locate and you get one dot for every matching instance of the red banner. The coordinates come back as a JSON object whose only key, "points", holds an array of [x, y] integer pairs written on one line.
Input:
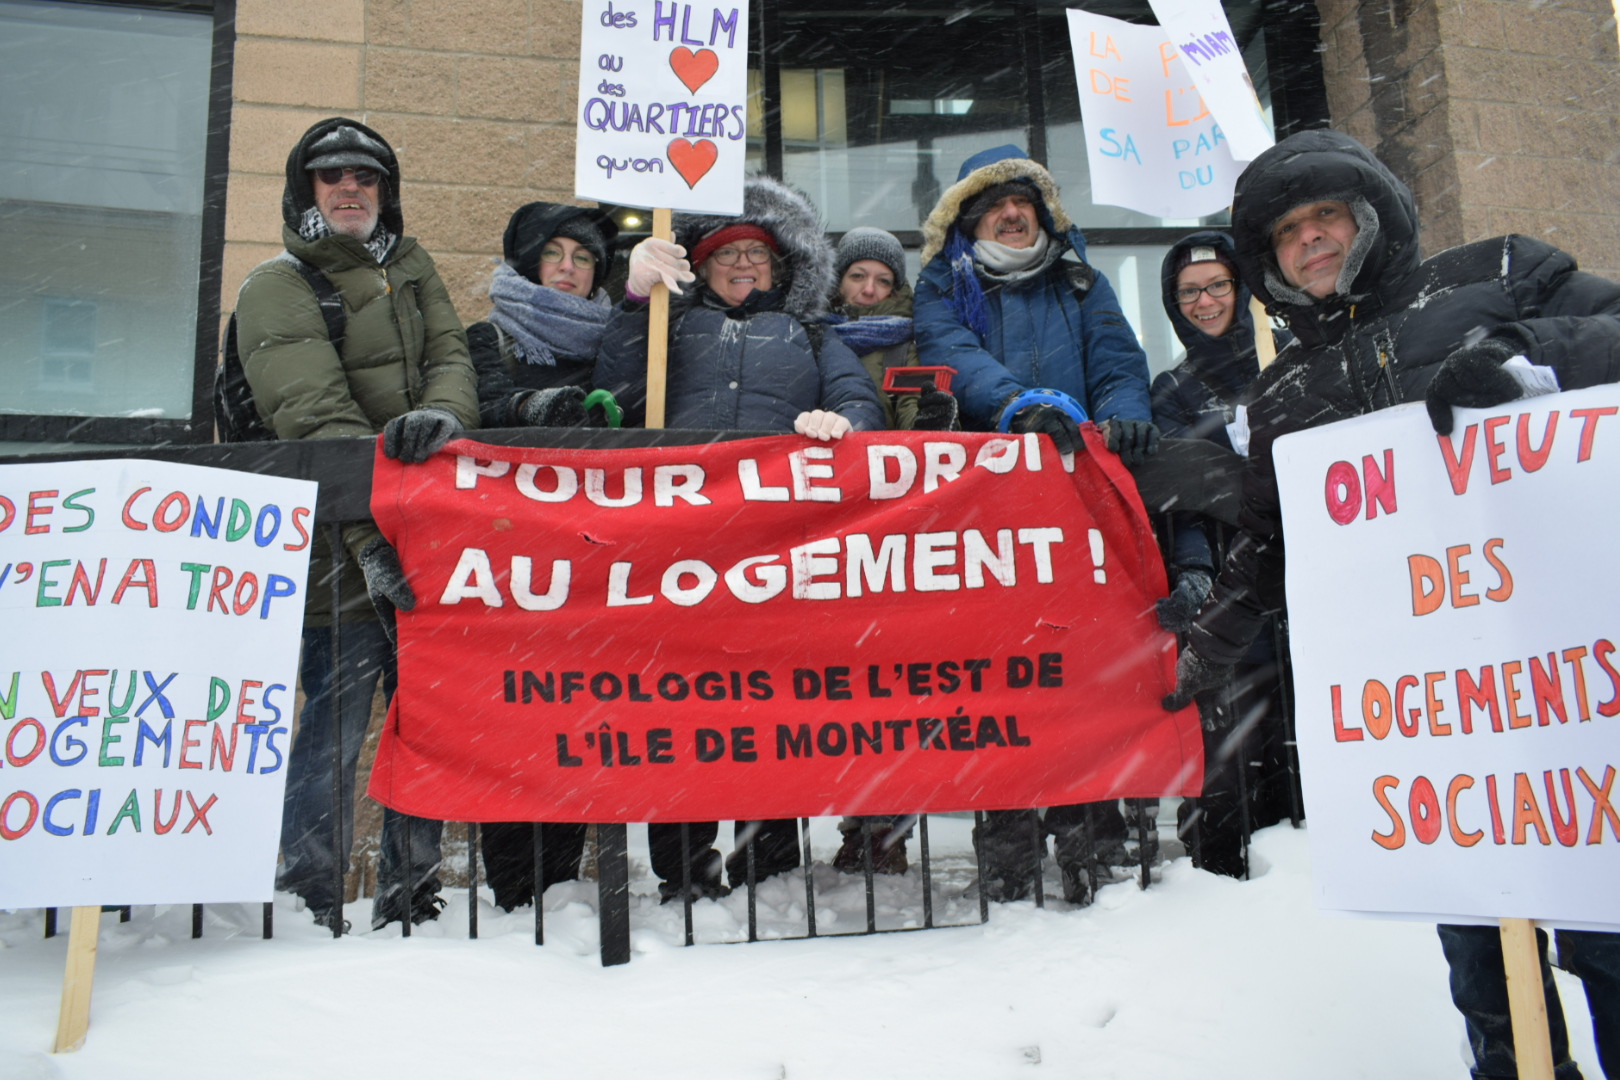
{"points": [[894, 622]]}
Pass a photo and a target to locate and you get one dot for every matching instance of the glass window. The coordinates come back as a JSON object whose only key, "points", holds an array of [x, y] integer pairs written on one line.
{"points": [[101, 197], [879, 107]]}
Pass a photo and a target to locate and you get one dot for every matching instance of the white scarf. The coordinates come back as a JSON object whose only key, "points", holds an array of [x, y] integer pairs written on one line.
{"points": [[1001, 259]]}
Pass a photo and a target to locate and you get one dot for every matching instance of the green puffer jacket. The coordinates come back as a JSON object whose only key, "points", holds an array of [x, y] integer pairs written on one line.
{"points": [[403, 349]]}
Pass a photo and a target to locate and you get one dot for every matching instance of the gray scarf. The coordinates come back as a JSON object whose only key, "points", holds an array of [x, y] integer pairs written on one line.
{"points": [[314, 226], [543, 323], [1008, 264]]}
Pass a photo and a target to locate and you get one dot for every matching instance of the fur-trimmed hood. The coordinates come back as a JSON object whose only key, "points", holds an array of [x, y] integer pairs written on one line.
{"points": [[299, 193], [806, 255], [985, 170]]}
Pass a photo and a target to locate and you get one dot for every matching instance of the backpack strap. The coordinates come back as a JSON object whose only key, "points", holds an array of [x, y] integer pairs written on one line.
{"points": [[816, 331], [326, 296]]}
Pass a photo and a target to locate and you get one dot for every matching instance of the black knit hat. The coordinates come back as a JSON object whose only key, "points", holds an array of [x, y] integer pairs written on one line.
{"points": [[535, 223], [981, 204], [869, 243]]}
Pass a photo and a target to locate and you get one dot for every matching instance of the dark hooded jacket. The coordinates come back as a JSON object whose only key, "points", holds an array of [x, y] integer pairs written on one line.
{"points": [[755, 366], [504, 381], [1378, 341], [403, 345], [1061, 329]]}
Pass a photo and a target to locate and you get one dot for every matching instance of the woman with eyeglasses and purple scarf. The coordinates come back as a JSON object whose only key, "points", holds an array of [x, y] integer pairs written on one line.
{"points": [[1204, 397], [747, 351], [536, 352]]}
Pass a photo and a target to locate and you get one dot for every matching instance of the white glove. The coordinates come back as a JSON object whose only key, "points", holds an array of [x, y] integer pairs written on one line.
{"points": [[822, 425], [654, 260]]}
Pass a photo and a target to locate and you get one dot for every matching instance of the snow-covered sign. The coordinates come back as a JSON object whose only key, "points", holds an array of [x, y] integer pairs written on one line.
{"points": [[1152, 144], [1202, 38], [1455, 619], [152, 615], [663, 104]]}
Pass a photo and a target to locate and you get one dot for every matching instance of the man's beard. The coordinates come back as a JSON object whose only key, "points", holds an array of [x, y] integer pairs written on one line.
{"points": [[360, 230]]}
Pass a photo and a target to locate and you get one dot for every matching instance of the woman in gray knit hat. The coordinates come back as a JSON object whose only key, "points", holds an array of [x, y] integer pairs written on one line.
{"points": [[871, 313]]}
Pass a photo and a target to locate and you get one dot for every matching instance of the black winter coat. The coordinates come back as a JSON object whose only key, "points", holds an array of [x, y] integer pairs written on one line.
{"points": [[1379, 344]]}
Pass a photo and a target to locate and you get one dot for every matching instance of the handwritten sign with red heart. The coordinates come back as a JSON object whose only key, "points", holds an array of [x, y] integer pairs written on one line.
{"points": [[693, 68], [692, 159]]}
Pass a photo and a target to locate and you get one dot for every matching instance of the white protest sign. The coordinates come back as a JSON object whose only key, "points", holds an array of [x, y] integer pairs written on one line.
{"points": [[153, 615], [1200, 34], [1151, 144], [1454, 613], [663, 94]]}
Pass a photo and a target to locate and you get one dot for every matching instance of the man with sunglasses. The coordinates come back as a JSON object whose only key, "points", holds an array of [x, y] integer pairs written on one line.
{"points": [[401, 368]]}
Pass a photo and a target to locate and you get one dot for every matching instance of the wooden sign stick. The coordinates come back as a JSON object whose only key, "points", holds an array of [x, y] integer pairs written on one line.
{"points": [[658, 331], [1265, 345], [1527, 1001], [74, 1019]]}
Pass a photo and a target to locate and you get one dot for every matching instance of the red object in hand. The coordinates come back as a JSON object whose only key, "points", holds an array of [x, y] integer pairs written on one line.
{"points": [[909, 380]]}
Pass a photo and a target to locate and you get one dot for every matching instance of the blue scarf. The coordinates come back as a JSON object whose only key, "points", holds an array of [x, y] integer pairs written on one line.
{"points": [[966, 298], [870, 333], [543, 323]]}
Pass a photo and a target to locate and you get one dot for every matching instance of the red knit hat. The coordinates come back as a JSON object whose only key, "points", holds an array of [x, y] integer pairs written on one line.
{"points": [[728, 235]]}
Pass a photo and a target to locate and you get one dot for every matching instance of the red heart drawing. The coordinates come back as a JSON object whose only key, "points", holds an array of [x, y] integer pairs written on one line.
{"points": [[692, 160], [694, 68]]}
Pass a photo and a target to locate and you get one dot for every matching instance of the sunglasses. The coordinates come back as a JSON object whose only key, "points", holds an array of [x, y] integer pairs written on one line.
{"points": [[1217, 289], [363, 176]]}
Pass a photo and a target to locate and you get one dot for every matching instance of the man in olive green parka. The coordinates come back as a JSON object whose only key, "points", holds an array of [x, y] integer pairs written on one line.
{"points": [[402, 370]]}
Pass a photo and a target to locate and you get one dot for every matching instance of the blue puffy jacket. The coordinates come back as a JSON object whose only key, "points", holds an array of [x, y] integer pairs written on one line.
{"points": [[1062, 329]]}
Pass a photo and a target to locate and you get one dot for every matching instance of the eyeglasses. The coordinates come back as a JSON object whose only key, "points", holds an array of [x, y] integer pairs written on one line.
{"points": [[363, 176], [1189, 293], [582, 258], [730, 256]]}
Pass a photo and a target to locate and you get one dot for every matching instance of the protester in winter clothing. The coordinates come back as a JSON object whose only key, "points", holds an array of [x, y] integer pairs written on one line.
{"points": [[1205, 397], [1326, 236], [535, 356], [871, 312], [402, 370], [536, 353], [1008, 300], [746, 351]]}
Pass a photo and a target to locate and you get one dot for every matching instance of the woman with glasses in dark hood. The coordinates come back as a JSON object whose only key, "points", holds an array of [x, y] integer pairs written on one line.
{"points": [[1204, 397], [535, 355], [536, 352]]}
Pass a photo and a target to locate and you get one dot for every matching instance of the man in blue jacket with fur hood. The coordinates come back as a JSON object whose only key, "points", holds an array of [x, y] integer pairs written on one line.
{"points": [[1007, 298], [1039, 342]]}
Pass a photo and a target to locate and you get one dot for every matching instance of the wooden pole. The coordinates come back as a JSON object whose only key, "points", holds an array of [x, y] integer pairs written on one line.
{"points": [[1527, 1000], [658, 331], [1265, 345], [74, 1019]]}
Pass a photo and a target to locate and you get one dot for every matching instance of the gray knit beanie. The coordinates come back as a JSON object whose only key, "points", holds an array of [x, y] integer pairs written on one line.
{"points": [[869, 243]]}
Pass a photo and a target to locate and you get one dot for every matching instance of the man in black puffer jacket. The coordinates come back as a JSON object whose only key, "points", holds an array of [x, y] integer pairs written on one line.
{"points": [[1327, 238]]}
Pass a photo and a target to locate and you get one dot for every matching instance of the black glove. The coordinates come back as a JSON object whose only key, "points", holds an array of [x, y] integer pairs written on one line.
{"points": [[385, 583], [1133, 440], [417, 435], [558, 406], [1472, 377], [936, 410], [1049, 420], [1176, 611], [1194, 675]]}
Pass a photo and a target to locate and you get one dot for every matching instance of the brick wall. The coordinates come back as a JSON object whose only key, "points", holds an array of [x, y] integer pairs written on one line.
{"points": [[476, 96], [1502, 115]]}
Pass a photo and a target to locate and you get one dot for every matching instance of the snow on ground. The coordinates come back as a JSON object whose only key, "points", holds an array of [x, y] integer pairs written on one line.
{"points": [[1198, 976]]}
